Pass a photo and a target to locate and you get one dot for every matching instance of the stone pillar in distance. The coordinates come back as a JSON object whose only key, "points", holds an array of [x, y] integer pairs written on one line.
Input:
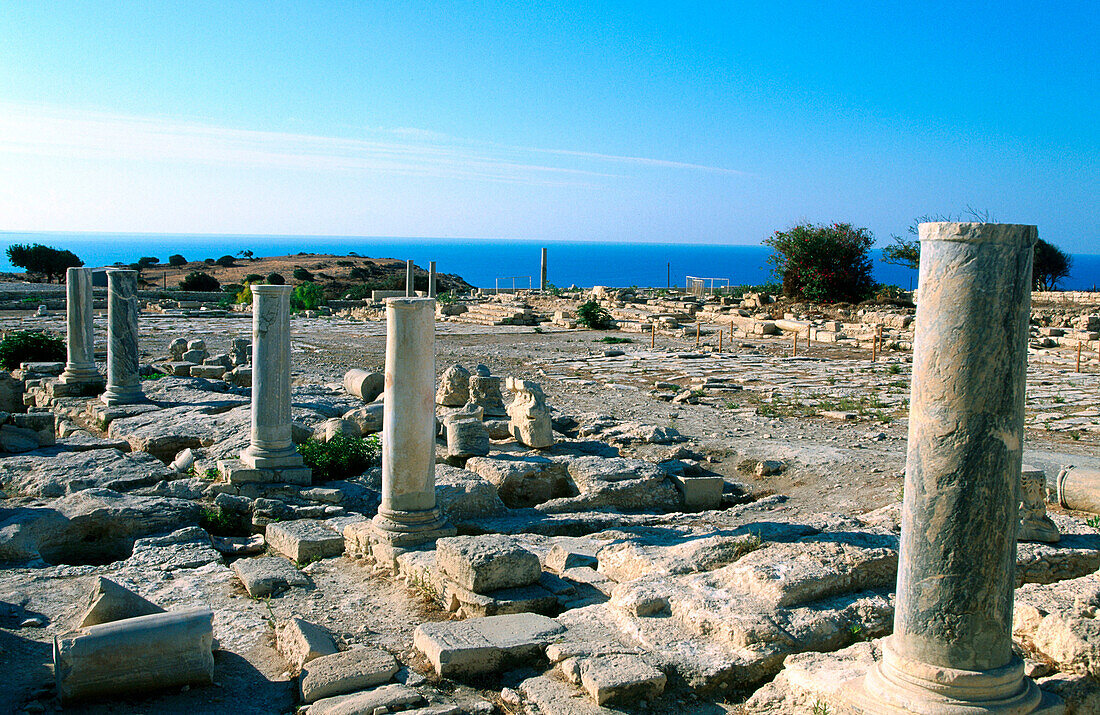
{"points": [[408, 514], [951, 648], [542, 272], [431, 279], [410, 289], [123, 381], [80, 376], [271, 455]]}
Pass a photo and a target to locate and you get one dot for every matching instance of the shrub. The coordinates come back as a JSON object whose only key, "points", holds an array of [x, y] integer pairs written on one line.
{"points": [[209, 261], [341, 457], [30, 346], [307, 296], [199, 281], [823, 263], [614, 340], [37, 258], [177, 260], [253, 278], [226, 261], [146, 261], [345, 264], [244, 296], [301, 274], [592, 315], [275, 279]]}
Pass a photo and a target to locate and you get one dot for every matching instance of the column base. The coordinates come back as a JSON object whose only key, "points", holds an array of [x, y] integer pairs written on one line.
{"points": [[255, 457], [80, 374], [75, 388], [899, 686], [130, 395], [236, 472], [409, 528]]}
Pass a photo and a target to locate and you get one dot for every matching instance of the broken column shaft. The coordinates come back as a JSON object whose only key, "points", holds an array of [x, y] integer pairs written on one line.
{"points": [[410, 288], [408, 513], [80, 366], [951, 649], [542, 272], [431, 279], [123, 381]]}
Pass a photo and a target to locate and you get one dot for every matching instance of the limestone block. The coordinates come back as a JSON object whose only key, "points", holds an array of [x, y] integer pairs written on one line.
{"points": [[364, 384], [524, 481], [197, 344], [210, 372], [524, 599], [529, 415], [464, 496], [700, 493], [368, 417], [466, 436], [346, 672], [194, 356], [483, 645], [334, 426], [388, 698], [304, 540], [562, 557], [485, 391], [41, 423], [223, 359], [1058, 621], [267, 575], [620, 678], [300, 641], [116, 658], [486, 563], [17, 439], [110, 602], [1034, 524], [454, 387], [241, 376], [177, 348]]}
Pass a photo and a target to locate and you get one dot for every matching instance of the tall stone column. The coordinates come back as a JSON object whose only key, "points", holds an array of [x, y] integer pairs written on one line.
{"points": [[123, 381], [80, 369], [408, 514], [542, 272], [410, 289], [431, 279], [951, 649], [270, 445]]}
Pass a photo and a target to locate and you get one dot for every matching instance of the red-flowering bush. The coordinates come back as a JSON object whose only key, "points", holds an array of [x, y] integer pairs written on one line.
{"points": [[823, 262]]}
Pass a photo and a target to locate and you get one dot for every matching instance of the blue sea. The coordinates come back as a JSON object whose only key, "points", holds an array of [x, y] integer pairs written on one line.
{"points": [[487, 263]]}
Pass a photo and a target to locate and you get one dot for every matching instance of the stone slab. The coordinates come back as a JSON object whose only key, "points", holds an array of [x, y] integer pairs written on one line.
{"points": [[300, 641], [388, 698], [304, 540], [267, 575], [346, 672], [484, 564], [482, 645]]}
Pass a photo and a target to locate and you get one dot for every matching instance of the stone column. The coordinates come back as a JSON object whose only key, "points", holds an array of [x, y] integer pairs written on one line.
{"points": [[431, 279], [408, 513], [80, 367], [271, 446], [951, 649], [542, 272], [410, 289], [123, 381]]}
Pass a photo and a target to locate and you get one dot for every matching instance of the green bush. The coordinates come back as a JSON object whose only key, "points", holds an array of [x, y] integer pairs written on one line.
{"points": [[592, 315], [176, 260], [301, 274], [37, 258], [227, 261], [342, 457], [30, 346], [199, 281], [274, 279], [253, 278], [307, 296], [823, 262]]}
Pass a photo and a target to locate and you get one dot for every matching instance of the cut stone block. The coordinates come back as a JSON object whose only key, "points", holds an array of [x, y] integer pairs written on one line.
{"points": [[482, 645], [388, 698], [346, 672], [567, 556], [700, 493], [523, 599], [234, 472], [162, 650], [210, 372], [300, 641], [111, 602], [304, 540], [267, 575], [484, 564], [620, 678]]}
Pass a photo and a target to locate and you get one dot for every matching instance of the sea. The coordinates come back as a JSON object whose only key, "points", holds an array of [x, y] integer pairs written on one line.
{"points": [[491, 263]]}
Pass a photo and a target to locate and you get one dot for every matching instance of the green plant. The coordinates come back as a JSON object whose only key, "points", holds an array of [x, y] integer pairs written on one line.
{"points": [[226, 261], [820, 707], [613, 340], [307, 296], [220, 522], [1074, 435], [154, 375], [537, 329], [244, 297], [341, 457], [823, 262], [275, 279], [1051, 264], [176, 260], [301, 274], [253, 278], [30, 346], [37, 258], [592, 315], [893, 369], [200, 281], [1093, 521]]}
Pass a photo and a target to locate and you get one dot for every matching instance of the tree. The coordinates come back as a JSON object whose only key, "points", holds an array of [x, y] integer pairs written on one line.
{"points": [[36, 258], [176, 260], [906, 251], [245, 254], [1051, 265], [275, 279], [823, 262], [307, 296], [226, 261], [199, 281], [301, 274], [146, 261]]}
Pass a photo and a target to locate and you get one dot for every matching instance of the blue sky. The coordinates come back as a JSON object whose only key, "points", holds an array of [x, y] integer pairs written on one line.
{"points": [[654, 122]]}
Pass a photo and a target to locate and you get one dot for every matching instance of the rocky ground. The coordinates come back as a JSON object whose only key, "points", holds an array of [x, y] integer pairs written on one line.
{"points": [[654, 605]]}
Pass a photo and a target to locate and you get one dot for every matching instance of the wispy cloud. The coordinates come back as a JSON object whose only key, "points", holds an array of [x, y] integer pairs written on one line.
{"points": [[37, 130]]}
